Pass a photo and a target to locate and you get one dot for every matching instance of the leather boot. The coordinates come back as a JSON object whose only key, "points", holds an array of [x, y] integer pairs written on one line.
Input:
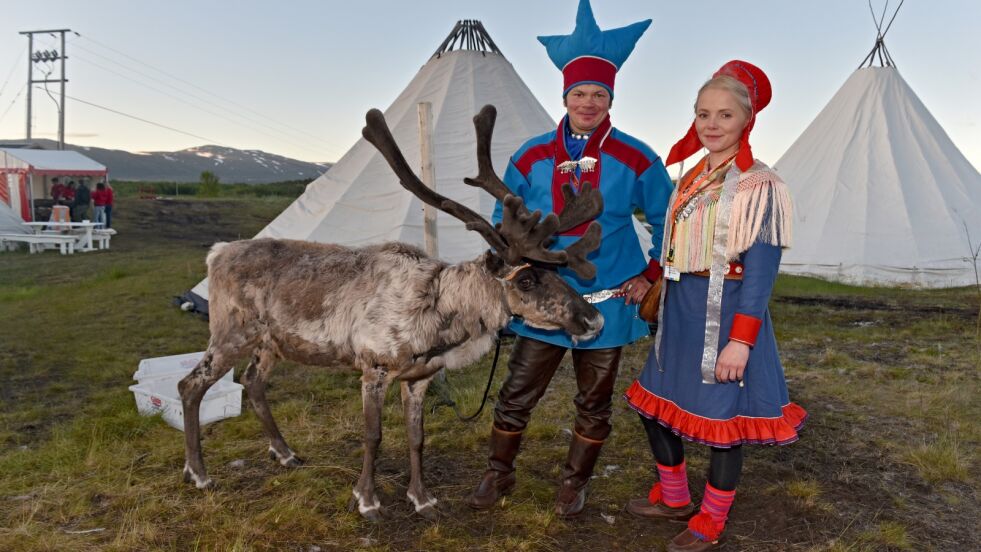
{"points": [[571, 497], [499, 478]]}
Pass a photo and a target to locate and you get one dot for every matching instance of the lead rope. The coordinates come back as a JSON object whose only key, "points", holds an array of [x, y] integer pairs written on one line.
{"points": [[444, 392]]}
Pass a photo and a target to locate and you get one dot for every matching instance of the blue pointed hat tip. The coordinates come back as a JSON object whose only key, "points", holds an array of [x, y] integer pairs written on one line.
{"points": [[587, 39]]}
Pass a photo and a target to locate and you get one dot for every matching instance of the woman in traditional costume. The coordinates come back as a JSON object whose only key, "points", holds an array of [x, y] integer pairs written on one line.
{"points": [[713, 375]]}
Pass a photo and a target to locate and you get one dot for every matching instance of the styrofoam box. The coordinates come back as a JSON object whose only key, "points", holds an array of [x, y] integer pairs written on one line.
{"points": [[156, 392]]}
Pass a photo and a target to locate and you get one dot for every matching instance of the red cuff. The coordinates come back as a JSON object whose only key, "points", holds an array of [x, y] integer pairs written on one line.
{"points": [[653, 271], [745, 329]]}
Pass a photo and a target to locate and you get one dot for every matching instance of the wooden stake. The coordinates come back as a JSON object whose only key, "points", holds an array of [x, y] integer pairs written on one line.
{"points": [[428, 174]]}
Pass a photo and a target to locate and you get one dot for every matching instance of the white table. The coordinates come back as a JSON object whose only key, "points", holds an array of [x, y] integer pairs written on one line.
{"points": [[85, 241]]}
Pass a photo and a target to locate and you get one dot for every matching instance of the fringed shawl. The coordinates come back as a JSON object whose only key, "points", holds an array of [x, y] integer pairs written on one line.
{"points": [[761, 210], [753, 206]]}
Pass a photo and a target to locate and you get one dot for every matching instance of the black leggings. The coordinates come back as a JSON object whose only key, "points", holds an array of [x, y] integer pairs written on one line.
{"points": [[726, 463]]}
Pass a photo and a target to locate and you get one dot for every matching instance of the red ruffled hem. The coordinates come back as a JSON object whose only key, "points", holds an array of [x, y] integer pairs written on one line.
{"points": [[740, 430]]}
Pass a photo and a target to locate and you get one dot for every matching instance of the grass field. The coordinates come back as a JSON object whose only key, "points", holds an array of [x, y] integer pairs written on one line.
{"points": [[887, 461]]}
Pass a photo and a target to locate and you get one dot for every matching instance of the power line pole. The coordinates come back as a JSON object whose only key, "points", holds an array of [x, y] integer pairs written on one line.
{"points": [[46, 56]]}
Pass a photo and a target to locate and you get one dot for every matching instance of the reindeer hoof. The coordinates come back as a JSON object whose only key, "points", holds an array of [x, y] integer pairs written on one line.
{"points": [[199, 482], [429, 512], [293, 462], [426, 508], [371, 511], [376, 515], [290, 461]]}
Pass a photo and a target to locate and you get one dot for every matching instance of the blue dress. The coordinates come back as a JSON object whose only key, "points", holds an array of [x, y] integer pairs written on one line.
{"points": [[670, 388]]}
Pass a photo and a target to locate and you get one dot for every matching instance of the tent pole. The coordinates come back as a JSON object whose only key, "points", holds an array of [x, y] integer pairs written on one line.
{"points": [[428, 174]]}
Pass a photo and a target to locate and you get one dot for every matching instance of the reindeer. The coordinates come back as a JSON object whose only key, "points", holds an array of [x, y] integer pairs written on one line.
{"points": [[390, 310]]}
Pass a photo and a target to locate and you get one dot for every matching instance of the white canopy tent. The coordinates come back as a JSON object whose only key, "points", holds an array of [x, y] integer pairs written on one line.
{"points": [[883, 196], [359, 201], [26, 174]]}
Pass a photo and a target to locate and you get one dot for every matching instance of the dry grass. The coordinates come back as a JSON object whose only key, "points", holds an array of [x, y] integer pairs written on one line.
{"points": [[888, 460]]}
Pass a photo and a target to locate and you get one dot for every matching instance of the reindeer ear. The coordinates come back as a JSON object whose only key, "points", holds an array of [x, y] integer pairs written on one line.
{"points": [[495, 264]]}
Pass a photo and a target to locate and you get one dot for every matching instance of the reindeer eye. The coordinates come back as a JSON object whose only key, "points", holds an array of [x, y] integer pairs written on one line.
{"points": [[526, 283]]}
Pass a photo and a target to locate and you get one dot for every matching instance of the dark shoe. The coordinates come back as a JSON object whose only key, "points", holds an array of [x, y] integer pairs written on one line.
{"points": [[492, 486], [571, 498], [686, 541], [641, 507], [569, 502], [499, 478]]}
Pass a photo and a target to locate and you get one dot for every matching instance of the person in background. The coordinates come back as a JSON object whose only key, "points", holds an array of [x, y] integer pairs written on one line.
{"points": [[57, 190], [100, 198], [713, 375], [68, 198], [110, 201], [83, 197]]}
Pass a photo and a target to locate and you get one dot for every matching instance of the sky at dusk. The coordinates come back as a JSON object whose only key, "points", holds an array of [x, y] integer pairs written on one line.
{"points": [[296, 77]]}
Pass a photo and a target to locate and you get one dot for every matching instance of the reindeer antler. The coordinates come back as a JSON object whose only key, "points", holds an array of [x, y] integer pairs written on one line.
{"points": [[521, 234], [376, 131]]}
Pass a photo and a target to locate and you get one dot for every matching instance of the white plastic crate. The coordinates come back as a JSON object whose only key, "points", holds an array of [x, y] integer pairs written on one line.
{"points": [[176, 366], [156, 392]]}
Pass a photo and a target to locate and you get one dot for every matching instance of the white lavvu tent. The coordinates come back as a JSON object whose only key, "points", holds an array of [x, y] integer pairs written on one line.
{"points": [[10, 223], [359, 201], [882, 195]]}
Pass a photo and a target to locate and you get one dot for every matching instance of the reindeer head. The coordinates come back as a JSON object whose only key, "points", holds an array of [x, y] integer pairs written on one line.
{"points": [[520, 258]]}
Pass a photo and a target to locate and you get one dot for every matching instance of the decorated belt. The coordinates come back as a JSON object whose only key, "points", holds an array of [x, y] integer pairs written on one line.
{"points": [[603, 295], [734, 271]]}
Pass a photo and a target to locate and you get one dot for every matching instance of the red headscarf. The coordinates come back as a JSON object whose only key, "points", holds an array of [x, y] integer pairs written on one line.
{"points": [[759, 96]]}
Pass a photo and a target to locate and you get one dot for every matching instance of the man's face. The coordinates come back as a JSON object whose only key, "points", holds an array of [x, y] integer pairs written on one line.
{"points": [[587, 105]]}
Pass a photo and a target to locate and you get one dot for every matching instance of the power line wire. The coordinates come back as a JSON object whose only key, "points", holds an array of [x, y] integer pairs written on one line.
{"points": [[289, 136], [191, 84], [142, 120], [20, 57], [12, 102], [186, 102]]}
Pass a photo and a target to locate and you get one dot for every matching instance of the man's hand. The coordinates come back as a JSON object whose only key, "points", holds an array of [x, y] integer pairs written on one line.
{"points": [[635, 289], [731, 364]]}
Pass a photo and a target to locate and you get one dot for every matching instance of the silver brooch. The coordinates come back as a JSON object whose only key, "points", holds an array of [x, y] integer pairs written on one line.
{"points": [[567, 166]]}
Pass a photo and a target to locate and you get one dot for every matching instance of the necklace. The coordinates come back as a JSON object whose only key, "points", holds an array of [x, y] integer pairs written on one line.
{"points": [[579, 136]]}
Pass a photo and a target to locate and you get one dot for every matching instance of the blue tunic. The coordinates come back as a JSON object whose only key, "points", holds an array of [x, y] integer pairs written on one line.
{"points": [[670, 388], [631, 176]]}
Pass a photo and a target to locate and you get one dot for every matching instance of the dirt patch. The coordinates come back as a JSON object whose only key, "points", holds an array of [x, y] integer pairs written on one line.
{"points": [[863, 304]]}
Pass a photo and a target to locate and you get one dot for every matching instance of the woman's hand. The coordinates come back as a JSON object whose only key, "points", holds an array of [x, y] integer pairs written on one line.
{"points": [[635, 289], [731, 364]]}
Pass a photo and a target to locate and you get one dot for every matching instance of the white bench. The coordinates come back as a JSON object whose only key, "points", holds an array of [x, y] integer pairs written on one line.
{"points": [[101, 237], [39, 242]]}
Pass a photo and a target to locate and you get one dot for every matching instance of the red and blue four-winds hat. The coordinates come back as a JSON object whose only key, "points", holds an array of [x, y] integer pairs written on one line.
{"points": [[590, 55]]}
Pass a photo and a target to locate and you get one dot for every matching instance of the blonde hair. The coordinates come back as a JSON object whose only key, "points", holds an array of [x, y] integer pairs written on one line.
{"points": [[731, 85]]}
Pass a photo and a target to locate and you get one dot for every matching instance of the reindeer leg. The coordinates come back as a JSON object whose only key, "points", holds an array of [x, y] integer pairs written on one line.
{"points": [[213, 366], [374, 384], [413, 393], [254, 380]]}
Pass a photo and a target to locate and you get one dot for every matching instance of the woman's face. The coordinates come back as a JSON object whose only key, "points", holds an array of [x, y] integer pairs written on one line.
{"points": [[719, 120], [587, 105]]}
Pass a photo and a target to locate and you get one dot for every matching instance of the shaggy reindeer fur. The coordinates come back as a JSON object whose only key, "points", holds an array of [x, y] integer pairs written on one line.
{"points": [[389, 310]]}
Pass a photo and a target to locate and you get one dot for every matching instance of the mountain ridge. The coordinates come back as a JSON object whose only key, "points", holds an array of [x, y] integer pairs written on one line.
{"points": [[229, 164]]}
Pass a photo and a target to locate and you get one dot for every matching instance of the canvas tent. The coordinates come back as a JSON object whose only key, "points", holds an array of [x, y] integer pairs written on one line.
{"points": [[882, 194], [10, 223], [26, 175], [359, 200]]}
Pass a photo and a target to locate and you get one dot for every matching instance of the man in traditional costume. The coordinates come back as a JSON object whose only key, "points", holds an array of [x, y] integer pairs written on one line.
{"points": [[713, 375], [585, 150]]}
